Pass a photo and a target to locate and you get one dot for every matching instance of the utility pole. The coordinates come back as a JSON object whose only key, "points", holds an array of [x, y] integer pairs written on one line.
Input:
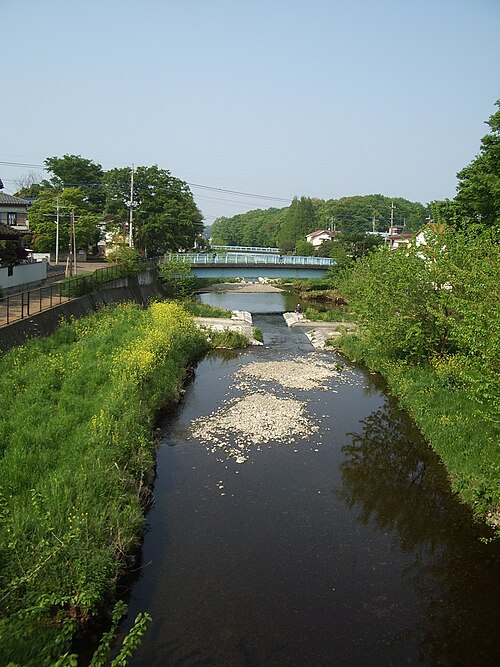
{"points": [[374, 221], [72, 244], [392, 215], [131, 214], [75, 254], [57, 232]]}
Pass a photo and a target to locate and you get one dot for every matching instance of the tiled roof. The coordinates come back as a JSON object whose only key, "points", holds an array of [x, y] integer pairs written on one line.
{"points": [[11, 200], [8, 233]]}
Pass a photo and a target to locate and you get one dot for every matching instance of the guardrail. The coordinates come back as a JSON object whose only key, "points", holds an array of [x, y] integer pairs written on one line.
{"points": [[212, 259], [21, 305], [244, 248]]}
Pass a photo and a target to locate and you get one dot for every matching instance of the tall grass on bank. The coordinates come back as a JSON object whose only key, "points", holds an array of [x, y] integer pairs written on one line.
{"points": [[337, 315], [76, 454]]}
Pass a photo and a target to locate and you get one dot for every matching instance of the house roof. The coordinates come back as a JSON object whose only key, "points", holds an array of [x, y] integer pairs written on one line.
{"points": [[11, 200], [8, 233], [319, 232]]}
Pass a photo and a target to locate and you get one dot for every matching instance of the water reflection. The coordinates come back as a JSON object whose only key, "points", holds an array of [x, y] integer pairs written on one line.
{"points": [[393, 480]]}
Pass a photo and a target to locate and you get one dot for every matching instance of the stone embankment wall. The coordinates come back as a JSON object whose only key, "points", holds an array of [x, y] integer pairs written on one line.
{"points": [[140, 289]]}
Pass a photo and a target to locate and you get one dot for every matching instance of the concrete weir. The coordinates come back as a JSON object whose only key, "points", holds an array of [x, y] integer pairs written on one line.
{"points": [[319, 332], [240, 321]]}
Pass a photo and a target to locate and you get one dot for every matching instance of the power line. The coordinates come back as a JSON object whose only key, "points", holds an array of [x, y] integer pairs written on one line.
{"points": [[210, 188]]}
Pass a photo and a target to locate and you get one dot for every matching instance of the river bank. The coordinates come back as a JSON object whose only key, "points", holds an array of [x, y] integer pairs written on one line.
{"points": [[284, 529], [77, 446]]}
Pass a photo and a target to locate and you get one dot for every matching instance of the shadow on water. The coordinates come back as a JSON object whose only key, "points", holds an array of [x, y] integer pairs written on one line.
{"points": [[346, 548], [391, 479]]}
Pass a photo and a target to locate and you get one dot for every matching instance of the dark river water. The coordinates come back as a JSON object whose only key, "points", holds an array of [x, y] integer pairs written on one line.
{"points": [[345, 548]]}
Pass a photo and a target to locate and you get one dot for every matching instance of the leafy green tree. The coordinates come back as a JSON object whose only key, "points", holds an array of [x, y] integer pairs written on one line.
{"points": [[126, 256], [438, 300], [253, 228], [300, 219], [360, 214], [395, 296], [29, 186], [335, 250], [74, 171], [165, 214], [478, 192], [43, 214], [177, 277], [304, 248]]}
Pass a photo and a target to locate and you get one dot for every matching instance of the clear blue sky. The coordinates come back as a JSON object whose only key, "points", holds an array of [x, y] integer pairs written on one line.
{"points": [[324, 98]]}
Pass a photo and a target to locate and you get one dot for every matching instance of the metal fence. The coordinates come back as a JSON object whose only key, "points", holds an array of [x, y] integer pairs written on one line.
{"points": [[21, 305]]}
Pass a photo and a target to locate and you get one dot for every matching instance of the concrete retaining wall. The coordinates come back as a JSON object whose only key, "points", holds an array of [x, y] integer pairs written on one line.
{"points": [[140, 289], [22, 276]]}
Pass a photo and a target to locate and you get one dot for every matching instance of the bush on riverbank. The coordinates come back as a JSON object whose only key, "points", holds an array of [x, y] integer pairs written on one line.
{"points": [[205, 310], [431, 325], [336, 315], [226, 339], [77, 456]]}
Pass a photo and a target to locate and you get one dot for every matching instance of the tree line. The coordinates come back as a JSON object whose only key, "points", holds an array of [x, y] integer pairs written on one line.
{"points": [[288, 227], [165, 216]]}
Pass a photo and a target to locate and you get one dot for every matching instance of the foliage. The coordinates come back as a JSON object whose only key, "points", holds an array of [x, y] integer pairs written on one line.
{"points": [[431, 325], [165, 214], [257, 334], [76, 453], [130, 642], [303, 248], [177, 277], [126, 257], [75, 171], [285, 227], [43, 215], [226, 339], [370, 212], [11, 252], [329, 315], [300, 219], [205, 310], [478, 190]]}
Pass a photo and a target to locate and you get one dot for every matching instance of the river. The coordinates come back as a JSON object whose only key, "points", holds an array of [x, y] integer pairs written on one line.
{"points": [[343, 547]]}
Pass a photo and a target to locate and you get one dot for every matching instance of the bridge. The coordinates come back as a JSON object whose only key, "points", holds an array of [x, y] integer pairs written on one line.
{"points": [[244, 249], [254, 265]]}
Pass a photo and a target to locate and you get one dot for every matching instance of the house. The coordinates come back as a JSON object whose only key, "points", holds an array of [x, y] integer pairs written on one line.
{"points": [[320, 236], [397, 240], [430, 230], [14, 212]]}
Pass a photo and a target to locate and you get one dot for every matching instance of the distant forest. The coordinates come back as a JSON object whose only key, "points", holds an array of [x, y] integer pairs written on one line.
{"points": [[284, 227]]}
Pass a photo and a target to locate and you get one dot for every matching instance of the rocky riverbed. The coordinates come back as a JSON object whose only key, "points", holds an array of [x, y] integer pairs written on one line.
{"points": [[268, 409]]}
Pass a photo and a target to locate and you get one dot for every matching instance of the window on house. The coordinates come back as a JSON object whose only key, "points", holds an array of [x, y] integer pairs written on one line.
{"points": [[11, 218]]}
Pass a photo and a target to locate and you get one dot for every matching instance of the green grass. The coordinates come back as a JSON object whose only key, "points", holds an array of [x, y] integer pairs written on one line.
{"points": [[226, 339], [205, 310], [77, 451], [258, 335], [327, 315]]}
